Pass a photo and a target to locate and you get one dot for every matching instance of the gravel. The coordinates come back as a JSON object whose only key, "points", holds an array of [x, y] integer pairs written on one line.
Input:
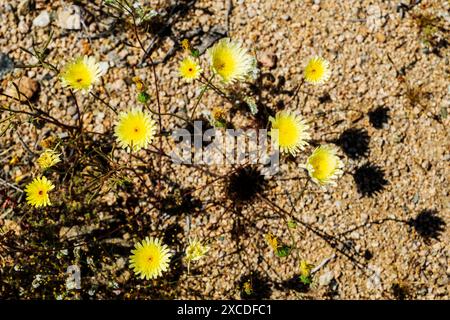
{"points": [[42, 20]]}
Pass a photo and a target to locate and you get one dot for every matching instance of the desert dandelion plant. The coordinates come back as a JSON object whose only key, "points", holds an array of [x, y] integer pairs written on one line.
{"points": [[289, 131], [189, 69], [135, 129], [324, 166], [317, 70], [196, 250], [230, 61], [81, 73], [37, 192], [48, 159], [150, 258]]}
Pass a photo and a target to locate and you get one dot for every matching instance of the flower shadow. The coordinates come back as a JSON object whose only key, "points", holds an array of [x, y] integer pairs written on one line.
{"points": [[369, 180], [295, 284], [378, 117], [245, 184], [254, 286], [354, 143], [428, 225]]}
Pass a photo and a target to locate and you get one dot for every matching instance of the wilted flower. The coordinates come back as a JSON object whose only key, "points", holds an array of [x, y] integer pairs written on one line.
{"points": [[140, 86], [305, 268], [48, 158], [305, 272], [186, 45], [272, 241], [195, 250], [247, 287], [48, 142]]}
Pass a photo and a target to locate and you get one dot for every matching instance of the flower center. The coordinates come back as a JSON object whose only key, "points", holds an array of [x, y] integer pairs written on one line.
{"points": [[41, 192], [220, 64], [323, 166], [287, 132]]}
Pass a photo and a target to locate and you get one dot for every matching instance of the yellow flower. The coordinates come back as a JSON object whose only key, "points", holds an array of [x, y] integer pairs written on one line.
{"points": [[189, 69], [19, 178], [324, 165], [14, 160], [186, 45], [289, 131], [196, 250], [218, 113], [139, 84], [47, 142], [247, 287], [317, 70], [305, 268], [81, 73], [230, 61], [150, 258], [37, 192], [135, 129], [272, 241], [48, 158]]}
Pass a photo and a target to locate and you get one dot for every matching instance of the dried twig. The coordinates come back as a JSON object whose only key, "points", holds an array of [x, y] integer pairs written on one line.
{"points": [[323, 263], [6, 183], [227, 15]]}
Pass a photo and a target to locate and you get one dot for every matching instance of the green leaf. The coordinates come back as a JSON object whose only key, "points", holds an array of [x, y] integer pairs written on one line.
{"points": [[195, 53], [283, 251], [292, 224], [220, 124], [305, 280], [143, 97]]}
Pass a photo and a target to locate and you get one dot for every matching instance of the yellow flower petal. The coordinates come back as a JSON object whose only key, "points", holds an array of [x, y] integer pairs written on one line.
{"points": [[289, 131], [324, 165], [230, 61], [37, 192], [317, 70], [189, 69], [81, 73], [135, 130], [196, 250], [150, 258], [272, 241], [48, 158]]}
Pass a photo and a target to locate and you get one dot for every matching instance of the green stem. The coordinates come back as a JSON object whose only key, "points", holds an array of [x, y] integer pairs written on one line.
{"points": [[201, 95]]}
